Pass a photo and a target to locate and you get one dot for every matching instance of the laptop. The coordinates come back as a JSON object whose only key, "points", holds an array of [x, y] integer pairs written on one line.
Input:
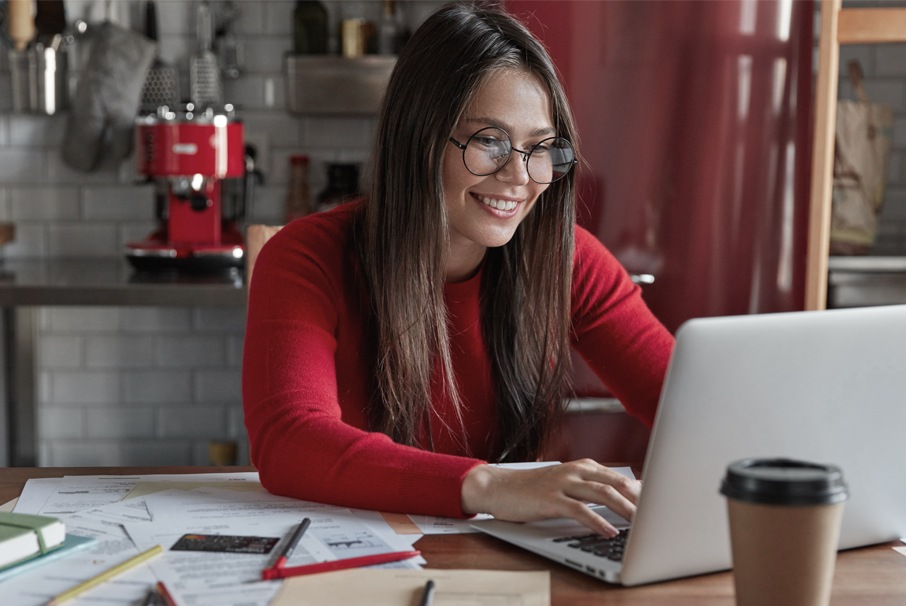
{"points": [[826, 386]]}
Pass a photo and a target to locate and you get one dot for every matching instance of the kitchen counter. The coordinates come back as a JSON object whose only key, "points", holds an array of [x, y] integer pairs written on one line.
{"points": [[112, 282], [26, 284], [863, 281]]}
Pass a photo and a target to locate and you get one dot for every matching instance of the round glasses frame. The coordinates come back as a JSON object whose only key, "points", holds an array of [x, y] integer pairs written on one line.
{"points": [[504, 147]]}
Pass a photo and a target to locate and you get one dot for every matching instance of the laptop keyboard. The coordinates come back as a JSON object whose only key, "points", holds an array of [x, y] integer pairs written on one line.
{"points": [[595, 544]]}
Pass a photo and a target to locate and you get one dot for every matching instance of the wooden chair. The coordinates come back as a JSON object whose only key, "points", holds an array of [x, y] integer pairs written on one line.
{"points": [[838, 26], [255, 237]]}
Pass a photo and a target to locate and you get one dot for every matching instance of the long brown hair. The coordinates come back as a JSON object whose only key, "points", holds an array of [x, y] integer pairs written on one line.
{"points": [[525, 300]]}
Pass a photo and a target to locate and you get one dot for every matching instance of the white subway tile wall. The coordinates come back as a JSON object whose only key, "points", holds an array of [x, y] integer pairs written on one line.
{"points": [[121, 386], [153, 385]]}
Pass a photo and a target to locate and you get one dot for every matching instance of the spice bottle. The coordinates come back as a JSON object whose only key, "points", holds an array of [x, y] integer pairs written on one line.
{"points": [[389, 29], [310, 31], [298, 197]]}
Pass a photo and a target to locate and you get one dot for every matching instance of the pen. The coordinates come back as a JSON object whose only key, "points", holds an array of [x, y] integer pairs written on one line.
{"points": [[369, 560], [165, 594], [106, 575], [428, 594], [150, 598], [291, 544]]}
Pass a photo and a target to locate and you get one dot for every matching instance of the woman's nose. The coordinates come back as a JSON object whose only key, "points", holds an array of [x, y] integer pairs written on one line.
{"points": [[516, 168]]}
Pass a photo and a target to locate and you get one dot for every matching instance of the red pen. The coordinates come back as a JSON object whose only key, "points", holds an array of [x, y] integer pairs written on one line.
{"points": [[290, 545], [293, 571], [165, 594]]}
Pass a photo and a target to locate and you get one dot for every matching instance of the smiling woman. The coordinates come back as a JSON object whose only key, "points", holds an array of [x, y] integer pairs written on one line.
{"points": [[486, 195], [397, 345]]}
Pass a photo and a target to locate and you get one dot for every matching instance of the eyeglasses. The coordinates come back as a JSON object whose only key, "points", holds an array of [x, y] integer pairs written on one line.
{"points": [[488, 151]]}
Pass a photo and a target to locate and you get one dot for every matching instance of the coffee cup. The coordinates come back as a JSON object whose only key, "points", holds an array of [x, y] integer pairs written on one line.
{"points": [[784, 529]]}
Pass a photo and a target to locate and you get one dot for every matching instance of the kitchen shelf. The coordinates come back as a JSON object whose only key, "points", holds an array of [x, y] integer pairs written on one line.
{"points": [[319, 85], [863, 281]]}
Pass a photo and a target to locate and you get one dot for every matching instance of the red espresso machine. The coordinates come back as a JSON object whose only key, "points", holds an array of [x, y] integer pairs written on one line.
{"points": [[195, 160]]}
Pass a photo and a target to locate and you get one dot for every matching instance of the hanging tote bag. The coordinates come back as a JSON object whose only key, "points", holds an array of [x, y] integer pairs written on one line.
{"points": [[861, 153]]}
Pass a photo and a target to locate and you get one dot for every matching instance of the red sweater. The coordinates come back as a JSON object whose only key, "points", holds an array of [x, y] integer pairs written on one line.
{"points": [[306, 376]]}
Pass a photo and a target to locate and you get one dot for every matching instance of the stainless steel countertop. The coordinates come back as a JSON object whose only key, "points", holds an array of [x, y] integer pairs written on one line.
{"points": [[867, 264], [112, 282], [864, 281]]}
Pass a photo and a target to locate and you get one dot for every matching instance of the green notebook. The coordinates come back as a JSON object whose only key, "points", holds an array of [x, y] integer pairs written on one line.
{"points": [[24, 536]]}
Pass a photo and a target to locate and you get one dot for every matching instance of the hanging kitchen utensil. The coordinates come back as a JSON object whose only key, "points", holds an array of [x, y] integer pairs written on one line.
{"points": [[162, 84], [50, 20], [204, 72], [21, 23], [230, 51], [100, 126]]}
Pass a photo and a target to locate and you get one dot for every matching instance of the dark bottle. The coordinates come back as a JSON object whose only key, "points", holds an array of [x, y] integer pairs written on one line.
{"points": [[342, 185], [310, 32], [298, 196], [388, 39]]}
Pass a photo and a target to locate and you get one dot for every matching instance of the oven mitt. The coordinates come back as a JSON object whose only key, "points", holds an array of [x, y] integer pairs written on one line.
{"points": [[106, 101]]}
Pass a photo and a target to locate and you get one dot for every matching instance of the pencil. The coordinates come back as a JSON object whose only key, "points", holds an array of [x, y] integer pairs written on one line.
{"points": [[428, 594], [106, 575], [369, 560]]}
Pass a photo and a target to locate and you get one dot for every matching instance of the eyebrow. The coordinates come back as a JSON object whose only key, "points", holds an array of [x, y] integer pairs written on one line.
{"points": [[488, 121]]}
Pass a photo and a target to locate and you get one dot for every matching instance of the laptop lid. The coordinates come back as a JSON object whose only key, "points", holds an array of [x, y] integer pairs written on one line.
{"points": [[822, 386]]}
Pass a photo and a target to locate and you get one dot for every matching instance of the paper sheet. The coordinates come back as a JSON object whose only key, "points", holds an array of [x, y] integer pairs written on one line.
{"points": [[334, 533], [127, 514], [157, 507], [453, 588]]}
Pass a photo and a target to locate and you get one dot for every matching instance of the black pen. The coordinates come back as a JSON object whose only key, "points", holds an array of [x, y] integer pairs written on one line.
{"points": [[427, 594], [291, 544]]}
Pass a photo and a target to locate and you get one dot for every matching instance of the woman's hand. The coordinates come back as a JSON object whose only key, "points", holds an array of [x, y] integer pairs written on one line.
{"points": [[556, 491]]}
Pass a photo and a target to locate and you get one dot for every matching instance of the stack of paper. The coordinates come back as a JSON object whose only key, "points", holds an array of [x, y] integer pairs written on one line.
{"points": [[219, 531]]}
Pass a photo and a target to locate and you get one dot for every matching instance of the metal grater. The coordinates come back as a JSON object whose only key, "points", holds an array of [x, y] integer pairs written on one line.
{"points": [[204, 71], [161, 88], [162, 82]]}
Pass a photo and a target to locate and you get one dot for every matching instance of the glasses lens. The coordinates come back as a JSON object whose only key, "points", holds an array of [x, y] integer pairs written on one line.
{"points": [[551, 160], [487, 151]]}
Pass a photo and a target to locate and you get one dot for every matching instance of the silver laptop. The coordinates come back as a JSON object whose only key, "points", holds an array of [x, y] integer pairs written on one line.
{"points": [[825, 386]]}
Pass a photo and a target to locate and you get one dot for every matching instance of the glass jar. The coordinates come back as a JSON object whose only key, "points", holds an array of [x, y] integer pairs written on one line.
{"points": [[310, 31]]}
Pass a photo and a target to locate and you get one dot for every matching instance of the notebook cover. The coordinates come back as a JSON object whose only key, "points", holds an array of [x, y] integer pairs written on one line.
{"points": [[71, 544], [48, 531]]}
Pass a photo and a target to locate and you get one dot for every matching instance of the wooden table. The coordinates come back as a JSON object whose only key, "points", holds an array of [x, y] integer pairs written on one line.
{"points": [[872, 575]]}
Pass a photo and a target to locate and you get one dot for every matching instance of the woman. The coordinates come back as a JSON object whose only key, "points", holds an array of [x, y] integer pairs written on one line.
{"points": [[396, 345]]}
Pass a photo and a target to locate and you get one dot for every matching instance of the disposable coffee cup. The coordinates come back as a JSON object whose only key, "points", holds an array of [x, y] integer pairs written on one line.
{"points": [[784, 528]]}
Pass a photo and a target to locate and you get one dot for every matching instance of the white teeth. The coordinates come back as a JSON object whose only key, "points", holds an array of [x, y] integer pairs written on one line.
{"points": [[499, 204]]}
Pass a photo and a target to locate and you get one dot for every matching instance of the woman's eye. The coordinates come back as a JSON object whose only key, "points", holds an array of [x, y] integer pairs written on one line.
{"points": [[487, 141]]}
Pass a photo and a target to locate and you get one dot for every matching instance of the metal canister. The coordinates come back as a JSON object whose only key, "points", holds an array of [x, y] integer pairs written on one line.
{"points": [[352, 34]]}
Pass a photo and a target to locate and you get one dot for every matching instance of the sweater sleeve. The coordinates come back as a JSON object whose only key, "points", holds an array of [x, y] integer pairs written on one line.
{"points": [[306, 443], [615, 332]]}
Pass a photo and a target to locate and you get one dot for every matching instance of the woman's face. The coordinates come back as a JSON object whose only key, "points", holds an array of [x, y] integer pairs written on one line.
{"points": [[485, 211]]}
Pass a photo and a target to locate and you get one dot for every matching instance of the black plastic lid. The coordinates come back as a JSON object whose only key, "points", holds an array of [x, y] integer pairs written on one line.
{"points": [[784, 482]]}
